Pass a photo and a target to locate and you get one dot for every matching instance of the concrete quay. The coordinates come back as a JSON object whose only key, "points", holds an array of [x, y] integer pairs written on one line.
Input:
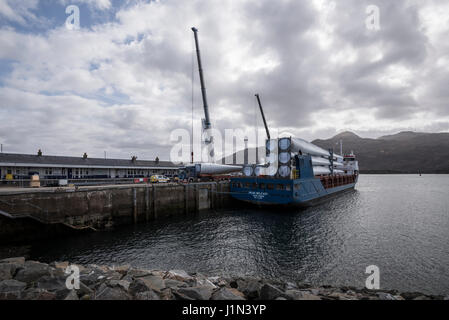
{"points": [[28, 214]]}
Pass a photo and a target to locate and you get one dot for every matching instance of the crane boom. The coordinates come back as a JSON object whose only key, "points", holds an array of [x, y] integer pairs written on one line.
{"points": [[203, 87], [263, 116]]}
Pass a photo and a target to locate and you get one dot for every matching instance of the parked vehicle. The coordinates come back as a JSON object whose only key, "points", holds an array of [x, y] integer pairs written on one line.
{"points": [[159, 179]]}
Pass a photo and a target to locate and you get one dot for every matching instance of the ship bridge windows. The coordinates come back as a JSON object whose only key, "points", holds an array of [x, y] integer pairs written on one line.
{"points": [[270, 186]]}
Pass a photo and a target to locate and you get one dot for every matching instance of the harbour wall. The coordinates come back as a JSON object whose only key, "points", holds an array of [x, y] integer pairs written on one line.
{"points": [[30, 214]]}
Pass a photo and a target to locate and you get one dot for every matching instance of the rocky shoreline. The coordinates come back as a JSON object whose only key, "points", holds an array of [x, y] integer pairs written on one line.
{"points": [[32, 280]]}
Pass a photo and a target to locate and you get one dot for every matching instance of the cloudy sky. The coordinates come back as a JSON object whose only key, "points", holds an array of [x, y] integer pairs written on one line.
{"points": [[123, 81]]}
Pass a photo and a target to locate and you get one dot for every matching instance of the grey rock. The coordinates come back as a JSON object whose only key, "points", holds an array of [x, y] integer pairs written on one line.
{"points": [[167, 294], [385, 296], [195, 293], [138, 286], [249, 287], [84, 289], [290, 285], [92, 278], [32, 271], [304, 286], [16, 260], [204, 282], [280, 298], [315, 291], [154, 282], [39, 294], [50, 283], [60, 265], [12, 285], [108, 293], [225, 294], [270, 292], [150, 282], [147, 295], [422, 297], [301, 295], [171, 283], [71, 295], [135, 273], [122, 269], [410, 295], [7, 271], [179, 275], [119, 283]]}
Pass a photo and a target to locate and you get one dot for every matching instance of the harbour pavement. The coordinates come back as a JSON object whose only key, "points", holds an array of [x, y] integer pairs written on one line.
{"points": [[32, 280]]}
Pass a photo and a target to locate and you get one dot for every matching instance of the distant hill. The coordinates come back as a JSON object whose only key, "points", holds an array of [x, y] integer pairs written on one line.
{"points": [[404, 152]]}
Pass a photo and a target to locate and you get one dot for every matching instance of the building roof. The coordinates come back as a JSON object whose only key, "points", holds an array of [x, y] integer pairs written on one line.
{"points": [[13, 159]]}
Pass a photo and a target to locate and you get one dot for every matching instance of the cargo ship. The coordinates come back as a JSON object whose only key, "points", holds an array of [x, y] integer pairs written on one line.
{"points": [[297, 173]]}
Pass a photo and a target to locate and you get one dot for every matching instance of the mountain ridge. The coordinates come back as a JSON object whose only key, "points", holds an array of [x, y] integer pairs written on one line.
{"points": [[403, 152]]}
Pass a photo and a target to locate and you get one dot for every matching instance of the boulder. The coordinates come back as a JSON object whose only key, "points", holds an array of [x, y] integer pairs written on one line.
{"points": [[154, 282], [167, 294], [179, 275], [85, 289], [31, 271], [7, 271], [270, 292], [422, 297], [147, 295], [194, 293], [119, 283], [171, 283], [108, 293], [16, 260], [226, 294], [72, 295], [50, 283], [60, 265], [410, 295], [204, 282], [147, 283], [135, 273], [122, 269], [11, 289], [249, 287], [39, 294], [385, 296]]}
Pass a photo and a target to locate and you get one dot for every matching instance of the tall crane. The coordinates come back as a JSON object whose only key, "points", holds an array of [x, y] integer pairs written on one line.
{"points": [[263, 116], [206, 121], [208, 170]]}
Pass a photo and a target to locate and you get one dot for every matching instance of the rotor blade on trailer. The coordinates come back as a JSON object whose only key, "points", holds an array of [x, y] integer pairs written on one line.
{"points": [[214, 168]]}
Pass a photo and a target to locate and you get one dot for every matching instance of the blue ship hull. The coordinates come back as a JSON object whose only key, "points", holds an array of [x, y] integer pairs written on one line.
{"points": [[272, 191]]}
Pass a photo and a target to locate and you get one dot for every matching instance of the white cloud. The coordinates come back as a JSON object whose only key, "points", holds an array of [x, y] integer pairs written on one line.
{"points": [[19, 11], [123, 85], [96, 4]]}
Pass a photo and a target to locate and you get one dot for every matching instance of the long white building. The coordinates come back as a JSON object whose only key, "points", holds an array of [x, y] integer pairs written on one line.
{"points": [[22, 166]]}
